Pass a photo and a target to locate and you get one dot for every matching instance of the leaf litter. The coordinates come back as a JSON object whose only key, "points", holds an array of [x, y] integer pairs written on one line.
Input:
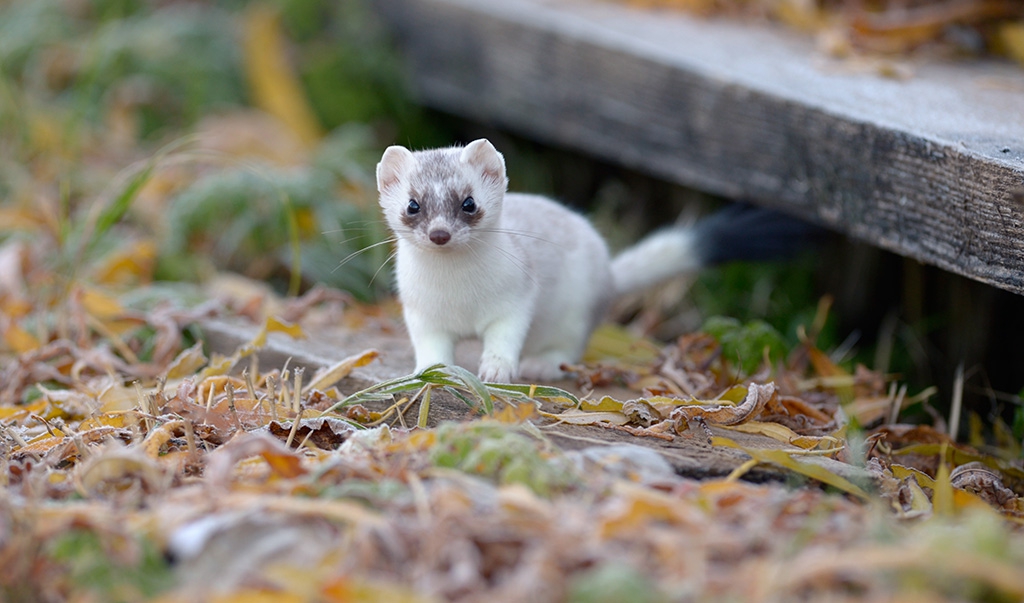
{"points": [[138, 466], [851, 29], [256, 481]]}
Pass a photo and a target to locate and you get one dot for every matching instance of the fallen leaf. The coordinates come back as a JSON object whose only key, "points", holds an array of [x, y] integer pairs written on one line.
{"points": [[757, 397], [276, 325], [783, 434], [327, 377], [785, 459], [186, 363]]}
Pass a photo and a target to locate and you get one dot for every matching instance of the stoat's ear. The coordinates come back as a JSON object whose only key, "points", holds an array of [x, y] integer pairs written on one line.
{"points": [[482, 155], [393, 165]]}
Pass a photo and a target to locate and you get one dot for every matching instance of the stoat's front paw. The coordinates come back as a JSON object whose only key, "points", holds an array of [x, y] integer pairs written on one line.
{"points": [[497, 370]]}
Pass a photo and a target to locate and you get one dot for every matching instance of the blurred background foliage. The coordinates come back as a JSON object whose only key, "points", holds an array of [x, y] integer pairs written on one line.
{"points": [[95, 92], [235, 135]]}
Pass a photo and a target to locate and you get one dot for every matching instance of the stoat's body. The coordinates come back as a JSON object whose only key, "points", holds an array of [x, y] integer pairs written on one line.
{"points": [[526, 275]]}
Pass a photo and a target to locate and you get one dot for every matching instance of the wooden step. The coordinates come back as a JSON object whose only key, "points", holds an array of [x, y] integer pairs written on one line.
{"points": [[930, 166]]}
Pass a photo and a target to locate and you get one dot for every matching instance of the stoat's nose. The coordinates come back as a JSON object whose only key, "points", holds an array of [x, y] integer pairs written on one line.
{"points": [[440, 237]]}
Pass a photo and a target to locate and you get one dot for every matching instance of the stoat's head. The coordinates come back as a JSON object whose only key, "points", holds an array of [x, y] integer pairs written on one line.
{"points": [[435, 199]]}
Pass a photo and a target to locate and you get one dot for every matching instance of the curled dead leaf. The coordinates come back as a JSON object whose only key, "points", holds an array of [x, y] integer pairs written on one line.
{"points": [[117, 469], [757, 397], [979, 479], [157, 438], [640, 412]]}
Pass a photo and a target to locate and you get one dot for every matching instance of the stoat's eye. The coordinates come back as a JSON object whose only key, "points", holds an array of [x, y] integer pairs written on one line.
{"points": [[469, 205], [413, 208]]}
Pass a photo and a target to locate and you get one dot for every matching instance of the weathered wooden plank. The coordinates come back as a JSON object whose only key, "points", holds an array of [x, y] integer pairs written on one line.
{"points": [[931, 167]]}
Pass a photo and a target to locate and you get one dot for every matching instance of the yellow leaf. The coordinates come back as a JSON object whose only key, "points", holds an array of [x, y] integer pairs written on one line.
{"points": [[779, 432], [580, 417], [275, 87], [339, 371], [20, 412], [15, 307], [942, 500], [187, 362], [605, 404], [902, 472], [276, 325], [285, 465], [110, 419], [919, 502], [808, 469], [252, 595], [220, 365], [19, 340], [421, 439], [735, 394], [134, 263], [613, 341], [515, 414], [100, 305]]}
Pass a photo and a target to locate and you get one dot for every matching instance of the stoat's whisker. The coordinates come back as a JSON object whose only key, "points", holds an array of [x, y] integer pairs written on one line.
{"points": [[390, 257], [363, 250]]}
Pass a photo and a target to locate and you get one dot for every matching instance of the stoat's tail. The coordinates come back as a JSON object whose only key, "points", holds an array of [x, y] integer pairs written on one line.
{"points": [[738, 232]]}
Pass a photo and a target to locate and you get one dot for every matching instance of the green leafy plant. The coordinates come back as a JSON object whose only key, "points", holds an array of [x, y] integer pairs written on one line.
{"points": [[135, 572], [746, 345]]}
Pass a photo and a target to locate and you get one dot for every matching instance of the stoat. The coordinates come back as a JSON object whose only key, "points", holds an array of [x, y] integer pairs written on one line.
{"points": [[527, 276]]}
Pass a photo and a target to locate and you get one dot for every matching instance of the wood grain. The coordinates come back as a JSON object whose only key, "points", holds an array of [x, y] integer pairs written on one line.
{"points": [[931, 167]]}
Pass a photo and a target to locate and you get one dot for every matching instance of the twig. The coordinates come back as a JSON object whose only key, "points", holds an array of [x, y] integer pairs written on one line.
{"points": [[958, 399], [294, 429], [209, 398], [230, 391], [190, 438], [272, 388], [297, 389], [897, 404]]}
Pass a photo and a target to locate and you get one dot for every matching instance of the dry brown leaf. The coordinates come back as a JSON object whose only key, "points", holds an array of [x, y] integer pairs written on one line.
{"points": [[757, 397], [325, 433], [977, 478]]}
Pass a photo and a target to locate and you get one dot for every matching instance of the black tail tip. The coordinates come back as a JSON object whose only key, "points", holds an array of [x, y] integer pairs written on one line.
{"points": [[744, 232]]}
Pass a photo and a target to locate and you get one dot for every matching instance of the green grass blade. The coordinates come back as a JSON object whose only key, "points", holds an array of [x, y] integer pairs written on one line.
{"points": [[421, 419], [534, 392], [113, 213], [461, 396], [475, 385]]}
